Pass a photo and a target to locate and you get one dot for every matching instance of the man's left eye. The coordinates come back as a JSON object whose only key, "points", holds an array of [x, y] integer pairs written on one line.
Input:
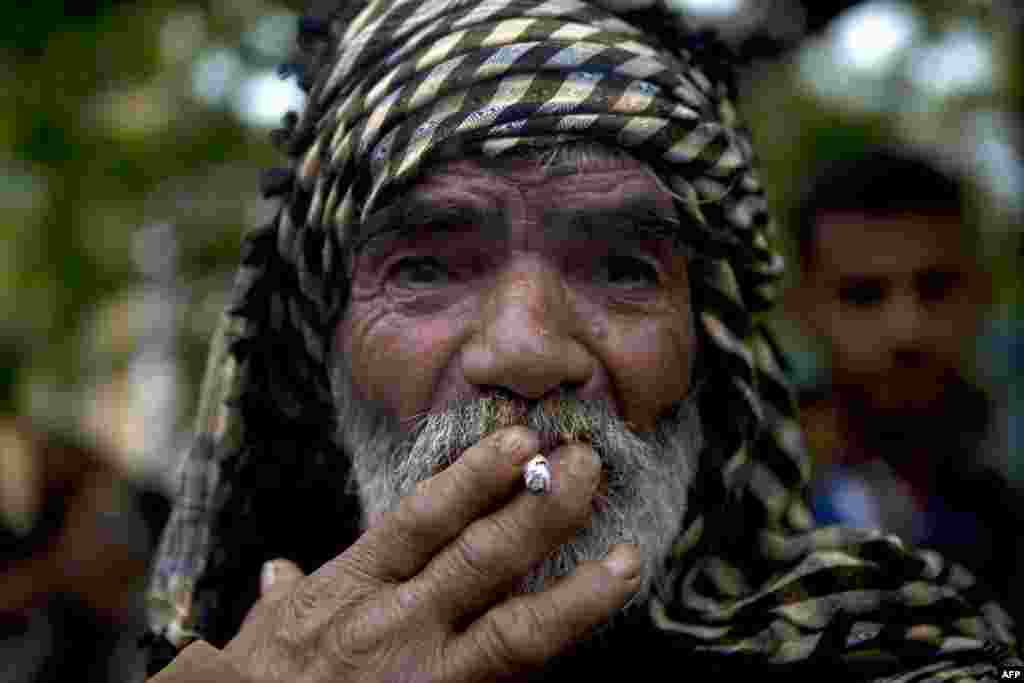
{"points": [[624, 270], [419, 272]]}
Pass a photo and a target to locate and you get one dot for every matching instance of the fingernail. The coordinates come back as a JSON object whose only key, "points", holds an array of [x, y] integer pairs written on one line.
{"points": [[519, 440], [268, 573], [623, 562]]}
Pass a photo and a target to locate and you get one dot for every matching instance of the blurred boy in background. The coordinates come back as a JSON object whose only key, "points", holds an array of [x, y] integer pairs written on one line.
{"points": [[75, 539], [892, 286]]}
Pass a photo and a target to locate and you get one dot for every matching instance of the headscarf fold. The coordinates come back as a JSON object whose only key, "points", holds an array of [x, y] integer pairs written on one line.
{"points": [[396, 85]]}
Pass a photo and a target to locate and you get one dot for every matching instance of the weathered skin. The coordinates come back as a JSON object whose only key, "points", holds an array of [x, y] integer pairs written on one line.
{"points": [[429, 587]]}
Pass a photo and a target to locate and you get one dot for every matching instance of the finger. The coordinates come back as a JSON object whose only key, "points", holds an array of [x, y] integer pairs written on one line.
{"points": [[522, 634], [482, 478], [278, 578], [495, 552]]}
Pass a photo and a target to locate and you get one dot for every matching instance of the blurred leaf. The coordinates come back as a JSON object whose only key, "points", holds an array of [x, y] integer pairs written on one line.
{"points": [[46, 143], [31, 24]]}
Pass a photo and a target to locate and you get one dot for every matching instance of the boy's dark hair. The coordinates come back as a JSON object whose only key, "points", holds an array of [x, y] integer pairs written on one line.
{"points": [[883, 182]]}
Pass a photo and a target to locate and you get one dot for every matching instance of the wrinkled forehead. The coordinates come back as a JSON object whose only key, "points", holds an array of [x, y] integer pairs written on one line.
{"points": [[566, 175], [579, 191]]}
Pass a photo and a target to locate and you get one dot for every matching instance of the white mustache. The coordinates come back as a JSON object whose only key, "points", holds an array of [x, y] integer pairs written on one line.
{"points": [[645, 477]]}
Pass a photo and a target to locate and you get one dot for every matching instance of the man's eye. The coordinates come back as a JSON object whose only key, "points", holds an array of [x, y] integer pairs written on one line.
{"points": [[623, 270], [419, 271], [862, 293]]}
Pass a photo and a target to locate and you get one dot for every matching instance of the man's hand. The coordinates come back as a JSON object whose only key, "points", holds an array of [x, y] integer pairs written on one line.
{"points": [[429, 592]]}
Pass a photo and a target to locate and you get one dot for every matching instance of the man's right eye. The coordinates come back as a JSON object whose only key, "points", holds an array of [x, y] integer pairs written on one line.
{"points": [[418, 272], [862, 293]]}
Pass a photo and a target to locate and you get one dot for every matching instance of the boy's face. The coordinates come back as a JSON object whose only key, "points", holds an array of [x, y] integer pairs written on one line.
{"points": [[897, 300]]}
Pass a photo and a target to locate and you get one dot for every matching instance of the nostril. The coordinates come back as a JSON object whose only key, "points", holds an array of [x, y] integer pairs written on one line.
{"points": [[499, 393], [503, 393]]}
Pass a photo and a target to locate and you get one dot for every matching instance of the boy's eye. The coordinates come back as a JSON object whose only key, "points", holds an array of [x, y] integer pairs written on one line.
{"points": [[862, 293], [934, 286], [628, 271], [418, 272]]}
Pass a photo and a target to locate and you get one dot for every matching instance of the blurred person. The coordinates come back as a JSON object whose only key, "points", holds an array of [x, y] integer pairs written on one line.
{"points": [[892, 285], [75, 539], [510, 228]]}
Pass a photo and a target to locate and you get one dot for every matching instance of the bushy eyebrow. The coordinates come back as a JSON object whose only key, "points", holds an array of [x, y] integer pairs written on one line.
{"points": [[636, 220], [413, 216]]}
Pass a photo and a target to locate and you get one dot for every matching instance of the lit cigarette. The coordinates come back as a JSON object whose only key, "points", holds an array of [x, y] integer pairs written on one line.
{"points": [[537, 475]]}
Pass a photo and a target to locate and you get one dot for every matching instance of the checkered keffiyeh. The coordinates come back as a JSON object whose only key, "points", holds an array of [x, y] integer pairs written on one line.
{"points": [[397, 84]]}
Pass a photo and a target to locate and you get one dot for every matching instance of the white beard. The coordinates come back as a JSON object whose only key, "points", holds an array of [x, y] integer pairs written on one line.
{"points": [[647, 476]]}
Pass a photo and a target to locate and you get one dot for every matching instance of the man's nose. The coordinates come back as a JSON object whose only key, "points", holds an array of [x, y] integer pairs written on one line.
{"points": [[525, 341]]}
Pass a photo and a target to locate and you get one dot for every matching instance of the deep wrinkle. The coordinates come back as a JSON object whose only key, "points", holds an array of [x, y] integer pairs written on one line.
{"points": [[410, 349]]}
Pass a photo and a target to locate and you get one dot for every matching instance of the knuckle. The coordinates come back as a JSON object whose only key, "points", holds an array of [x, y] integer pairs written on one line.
{"points": [[513, 638], [412, 507], [527, 625], [292, 627], [410, 598], [462, 477], [358, 636], [302, 601], [410, 522], [471, 547], [497, 643], [423, 489]]}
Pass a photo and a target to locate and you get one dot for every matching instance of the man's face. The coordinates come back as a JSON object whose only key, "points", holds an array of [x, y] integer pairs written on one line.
{"points": [[897, 300], [525, 296]]}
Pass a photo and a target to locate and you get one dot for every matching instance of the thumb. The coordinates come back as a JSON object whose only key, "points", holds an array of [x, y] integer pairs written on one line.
{"points": [[277, 577]]}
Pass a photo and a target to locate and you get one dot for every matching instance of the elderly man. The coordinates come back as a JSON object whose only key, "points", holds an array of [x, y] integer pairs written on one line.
{"points": [[514, 228]]}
